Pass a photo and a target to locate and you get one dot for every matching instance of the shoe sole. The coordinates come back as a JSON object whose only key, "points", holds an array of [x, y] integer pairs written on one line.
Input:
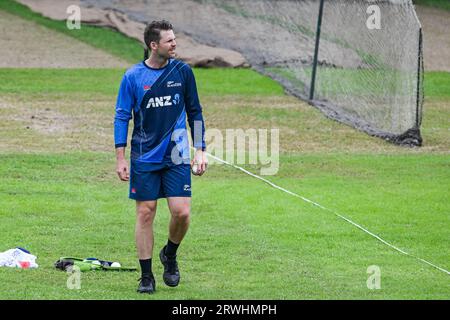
{"points": [[149, 292], [162, 261]]}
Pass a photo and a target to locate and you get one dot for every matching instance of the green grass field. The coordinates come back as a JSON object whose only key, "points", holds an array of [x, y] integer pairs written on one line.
{"points": [[60, 196], [439, 4]]}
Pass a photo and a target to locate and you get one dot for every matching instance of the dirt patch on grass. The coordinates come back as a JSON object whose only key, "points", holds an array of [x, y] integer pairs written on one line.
{"points": [[55, 124], [25, 44], [49, 121]]}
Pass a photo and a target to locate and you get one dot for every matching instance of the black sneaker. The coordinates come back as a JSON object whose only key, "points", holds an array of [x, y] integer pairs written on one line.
{"points": [[147, 284], [171, 275]]}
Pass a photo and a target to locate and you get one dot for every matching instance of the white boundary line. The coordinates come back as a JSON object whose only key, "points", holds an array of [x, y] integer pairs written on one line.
{"points": [[324, 208]]}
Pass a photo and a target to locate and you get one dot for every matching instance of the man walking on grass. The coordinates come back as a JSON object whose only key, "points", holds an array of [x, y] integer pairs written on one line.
{"points": [[159, 93]]}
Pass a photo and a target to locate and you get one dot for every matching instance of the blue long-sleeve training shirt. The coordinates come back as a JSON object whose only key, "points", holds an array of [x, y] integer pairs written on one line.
{"points": [[159, 100]]}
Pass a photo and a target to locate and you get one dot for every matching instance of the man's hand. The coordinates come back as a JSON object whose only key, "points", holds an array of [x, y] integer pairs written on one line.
{"points": [[200, 161], [122, 165]]}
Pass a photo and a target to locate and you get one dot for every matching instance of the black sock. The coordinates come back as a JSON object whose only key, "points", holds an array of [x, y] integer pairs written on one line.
{"points": [[146, 266], [171, 249]]}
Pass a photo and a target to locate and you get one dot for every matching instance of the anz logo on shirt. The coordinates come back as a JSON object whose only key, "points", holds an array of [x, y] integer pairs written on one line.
{"points": [[165, 101]]}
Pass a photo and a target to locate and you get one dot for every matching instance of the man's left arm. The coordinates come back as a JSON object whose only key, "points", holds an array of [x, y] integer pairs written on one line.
{"points": [[196, 122]]}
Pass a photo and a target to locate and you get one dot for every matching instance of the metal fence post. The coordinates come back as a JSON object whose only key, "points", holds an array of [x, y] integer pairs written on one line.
{"points": [[316, 51]]}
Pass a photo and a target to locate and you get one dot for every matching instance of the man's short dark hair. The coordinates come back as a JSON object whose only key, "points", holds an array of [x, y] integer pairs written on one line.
{"points": [[153, 31]]}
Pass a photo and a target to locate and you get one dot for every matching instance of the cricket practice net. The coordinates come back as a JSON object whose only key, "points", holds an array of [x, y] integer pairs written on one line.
{"points": [[362, 67]]}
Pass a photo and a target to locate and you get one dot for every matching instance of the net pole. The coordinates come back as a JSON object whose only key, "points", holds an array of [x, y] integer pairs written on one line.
{"points": [[419, 78], [316, 51]]}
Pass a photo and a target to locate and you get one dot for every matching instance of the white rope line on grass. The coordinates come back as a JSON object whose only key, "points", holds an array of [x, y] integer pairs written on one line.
{"points": [[324, 208]]}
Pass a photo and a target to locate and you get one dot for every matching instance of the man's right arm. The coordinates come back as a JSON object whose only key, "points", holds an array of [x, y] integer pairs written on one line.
{"points": [[124, 105], [122, 164]]}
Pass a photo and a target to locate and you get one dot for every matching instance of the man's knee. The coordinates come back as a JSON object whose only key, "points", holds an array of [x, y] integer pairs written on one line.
{"points": [[146, 211], [182, 213]]}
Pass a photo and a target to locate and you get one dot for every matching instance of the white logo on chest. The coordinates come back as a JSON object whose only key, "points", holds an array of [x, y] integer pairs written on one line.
{"points": [[172, 84], [159, 102]]}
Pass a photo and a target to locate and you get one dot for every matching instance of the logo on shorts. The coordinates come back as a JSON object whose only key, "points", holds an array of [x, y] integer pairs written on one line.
{"points": [[133, 190], [147, 87], [187, 187]]}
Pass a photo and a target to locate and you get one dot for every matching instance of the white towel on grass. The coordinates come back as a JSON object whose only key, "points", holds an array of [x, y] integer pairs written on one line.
{"points": [[17, 258]]}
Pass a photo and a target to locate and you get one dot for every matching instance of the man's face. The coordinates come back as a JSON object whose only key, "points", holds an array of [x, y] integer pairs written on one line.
{"points": [[166, 46]]}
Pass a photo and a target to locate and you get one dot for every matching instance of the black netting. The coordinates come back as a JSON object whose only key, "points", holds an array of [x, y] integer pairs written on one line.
{"points": [[376, 86]]}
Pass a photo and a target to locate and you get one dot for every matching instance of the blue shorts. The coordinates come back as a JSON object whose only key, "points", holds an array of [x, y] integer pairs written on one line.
{"points": [[165, 181]]}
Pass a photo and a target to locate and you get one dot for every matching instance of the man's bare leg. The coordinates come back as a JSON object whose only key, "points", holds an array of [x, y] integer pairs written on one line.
{"points": [[145, 215], [180, 208]]}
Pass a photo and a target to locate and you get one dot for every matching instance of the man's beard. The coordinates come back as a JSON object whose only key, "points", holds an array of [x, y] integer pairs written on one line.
{"points": [[164, 56]]}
